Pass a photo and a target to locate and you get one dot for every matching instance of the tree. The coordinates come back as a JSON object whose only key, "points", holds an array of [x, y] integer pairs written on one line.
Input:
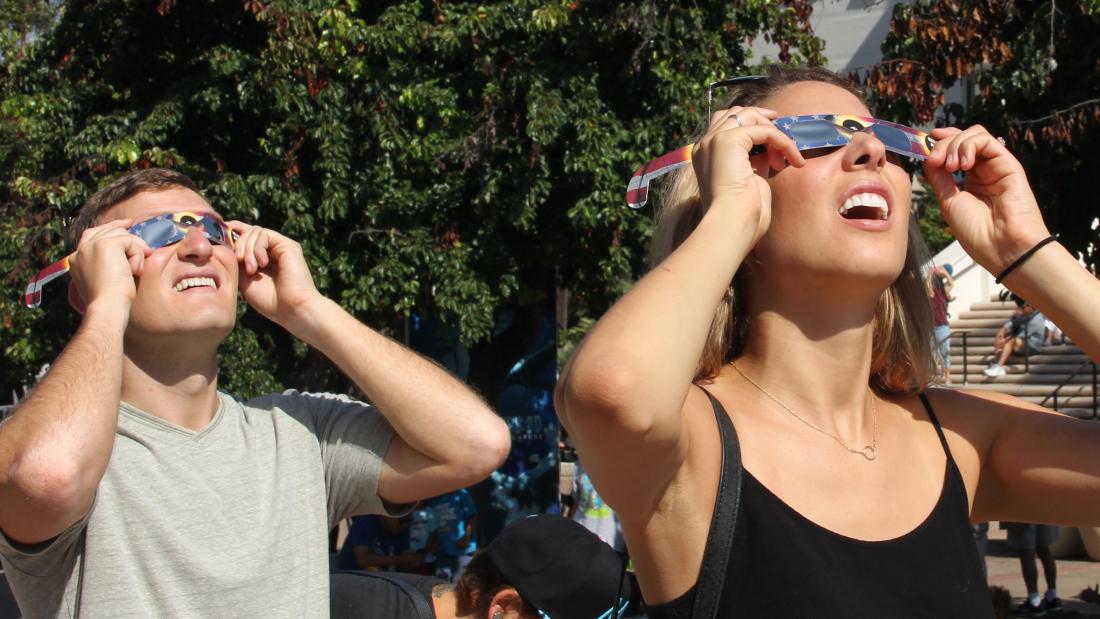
{"points": [[444, 158], [1034, 68]]}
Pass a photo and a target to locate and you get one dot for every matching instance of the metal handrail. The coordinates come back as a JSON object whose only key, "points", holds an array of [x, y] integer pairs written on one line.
{"points": [[965, 355], [1095, 395]]}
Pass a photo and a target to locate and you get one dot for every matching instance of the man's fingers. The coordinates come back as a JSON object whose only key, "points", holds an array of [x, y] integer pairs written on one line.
{"points": [[136, 251]]}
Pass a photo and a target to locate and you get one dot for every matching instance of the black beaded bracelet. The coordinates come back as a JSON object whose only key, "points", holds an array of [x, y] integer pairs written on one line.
{"points": [[1022, 259]]}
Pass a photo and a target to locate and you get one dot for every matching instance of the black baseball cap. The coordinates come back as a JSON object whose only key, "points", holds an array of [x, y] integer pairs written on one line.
{"points": [[561, 568]]}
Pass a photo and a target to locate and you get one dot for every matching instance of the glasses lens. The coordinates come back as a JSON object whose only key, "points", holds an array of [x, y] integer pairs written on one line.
{"points": [[892, 138], [213, 229], [158, 232], [815, 132]]}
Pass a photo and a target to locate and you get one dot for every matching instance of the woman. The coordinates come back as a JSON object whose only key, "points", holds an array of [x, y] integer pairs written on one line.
{"points": [[540, 566], [787, 285]]}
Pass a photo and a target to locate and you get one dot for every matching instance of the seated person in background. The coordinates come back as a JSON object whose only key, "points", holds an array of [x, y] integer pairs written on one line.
{"points": [[129, 485], [1025, 330], [541, 566], [1053, 333], [379, 543]]}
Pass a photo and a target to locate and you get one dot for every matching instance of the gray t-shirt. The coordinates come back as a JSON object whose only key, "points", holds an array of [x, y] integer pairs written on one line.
{"points": [[230, 521], [1032, 325]]}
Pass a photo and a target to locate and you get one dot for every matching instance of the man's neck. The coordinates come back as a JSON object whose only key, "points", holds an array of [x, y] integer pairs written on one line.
{"points": [[179, 389]]}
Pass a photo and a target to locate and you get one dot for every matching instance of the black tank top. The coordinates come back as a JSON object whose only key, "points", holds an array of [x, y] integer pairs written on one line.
{"points": [[784, 565]]}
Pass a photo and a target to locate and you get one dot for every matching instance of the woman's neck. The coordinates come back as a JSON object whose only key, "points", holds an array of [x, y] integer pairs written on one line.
{"points": [[813, 357]]}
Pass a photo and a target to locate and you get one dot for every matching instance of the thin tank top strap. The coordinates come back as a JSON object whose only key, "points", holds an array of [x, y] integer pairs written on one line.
{"points": [[936, 424]]}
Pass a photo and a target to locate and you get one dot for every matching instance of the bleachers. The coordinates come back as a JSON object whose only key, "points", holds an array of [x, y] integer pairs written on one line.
{"points": [[1035, 380]]}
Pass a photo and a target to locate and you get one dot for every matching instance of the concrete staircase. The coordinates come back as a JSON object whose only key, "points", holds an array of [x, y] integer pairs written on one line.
{"points": [[1055, 364]]}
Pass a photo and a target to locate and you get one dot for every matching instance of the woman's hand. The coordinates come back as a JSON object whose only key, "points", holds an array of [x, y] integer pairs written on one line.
{"points": [[726, 173], [994, 215]]}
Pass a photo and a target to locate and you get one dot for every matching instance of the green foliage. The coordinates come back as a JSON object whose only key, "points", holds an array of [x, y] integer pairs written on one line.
{"points": [[933, 228], [445, 158], [1034, 68]]}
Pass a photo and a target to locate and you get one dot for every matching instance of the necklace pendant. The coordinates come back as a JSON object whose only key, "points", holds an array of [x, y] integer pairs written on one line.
{"points": [[870, 452]]}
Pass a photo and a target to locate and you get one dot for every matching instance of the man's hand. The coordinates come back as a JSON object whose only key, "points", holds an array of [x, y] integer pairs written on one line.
{"points": [[105, 263], [274, 277]]}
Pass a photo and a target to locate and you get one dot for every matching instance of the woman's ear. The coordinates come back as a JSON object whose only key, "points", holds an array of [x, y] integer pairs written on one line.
{"points": [[506, 604], [75, 300]]}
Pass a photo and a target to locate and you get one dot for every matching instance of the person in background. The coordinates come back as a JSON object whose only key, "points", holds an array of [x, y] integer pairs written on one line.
{"points": [[455, 532], [1023, 332], [537, 567], [379, 543], [940, 285], [592, 512], [1033, 541]]}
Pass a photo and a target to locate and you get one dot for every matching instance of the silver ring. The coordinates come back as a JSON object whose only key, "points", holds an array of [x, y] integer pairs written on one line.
{"points": [[1001, 140], [736, 119]]}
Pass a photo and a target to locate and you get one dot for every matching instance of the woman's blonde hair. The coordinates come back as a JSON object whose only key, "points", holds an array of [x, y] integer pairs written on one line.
{"points": [[901, 357]]}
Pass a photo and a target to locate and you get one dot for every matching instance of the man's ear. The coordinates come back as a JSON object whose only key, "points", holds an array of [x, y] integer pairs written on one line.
{"points": [[75, 300]]}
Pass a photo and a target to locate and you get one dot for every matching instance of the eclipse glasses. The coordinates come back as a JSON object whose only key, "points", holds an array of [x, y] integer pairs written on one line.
{"points": [[808, 133], [157, 232]]}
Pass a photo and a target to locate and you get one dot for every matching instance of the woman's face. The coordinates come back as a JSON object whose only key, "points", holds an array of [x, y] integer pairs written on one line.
{"points": [[818, 226]]}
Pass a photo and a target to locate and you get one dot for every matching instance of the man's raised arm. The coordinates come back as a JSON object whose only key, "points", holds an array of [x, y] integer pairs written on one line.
{"points": [[55, 446], [446, 437]]}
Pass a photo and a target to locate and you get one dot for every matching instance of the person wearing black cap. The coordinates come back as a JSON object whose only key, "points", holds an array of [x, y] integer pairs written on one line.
{"points": [[540, 566]]}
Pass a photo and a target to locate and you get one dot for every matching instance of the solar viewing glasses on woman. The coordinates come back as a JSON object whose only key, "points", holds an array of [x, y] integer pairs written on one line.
{"points": [[159, 231], [810, 132]]}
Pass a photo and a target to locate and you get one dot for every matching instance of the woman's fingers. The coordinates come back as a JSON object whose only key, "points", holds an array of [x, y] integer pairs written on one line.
{"points": [[958, 149], [739, 116]]}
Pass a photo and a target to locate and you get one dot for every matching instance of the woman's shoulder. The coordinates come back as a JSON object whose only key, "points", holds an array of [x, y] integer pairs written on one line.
{"points": [[973, 411]]}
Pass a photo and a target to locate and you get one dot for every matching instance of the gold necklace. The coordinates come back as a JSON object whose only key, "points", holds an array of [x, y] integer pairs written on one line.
{"points": [[870, 451]]}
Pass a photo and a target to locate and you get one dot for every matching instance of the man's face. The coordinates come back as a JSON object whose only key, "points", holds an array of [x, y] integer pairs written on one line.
{"points": [[189, 287]]}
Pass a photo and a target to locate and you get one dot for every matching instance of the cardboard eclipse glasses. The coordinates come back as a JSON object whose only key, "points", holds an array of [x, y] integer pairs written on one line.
{"points": [[808, 132], [157, 232]]}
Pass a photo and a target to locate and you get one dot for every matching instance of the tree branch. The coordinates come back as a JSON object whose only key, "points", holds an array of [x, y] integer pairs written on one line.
{"points": [[1056, 113]]}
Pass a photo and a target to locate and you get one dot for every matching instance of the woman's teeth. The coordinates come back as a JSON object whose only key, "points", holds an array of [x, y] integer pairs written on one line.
{"points": [[865, 206]]}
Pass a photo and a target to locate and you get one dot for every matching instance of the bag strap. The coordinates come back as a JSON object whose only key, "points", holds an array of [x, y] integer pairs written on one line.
{"points": [[712, 574]]}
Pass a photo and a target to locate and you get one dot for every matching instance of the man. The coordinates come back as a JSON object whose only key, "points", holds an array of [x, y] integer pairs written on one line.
{"points": [[540, 566], [1024, 331], [129, 486]]}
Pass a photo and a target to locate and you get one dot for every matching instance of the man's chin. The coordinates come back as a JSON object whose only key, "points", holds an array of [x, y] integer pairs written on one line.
{"points": [[192, 331]]}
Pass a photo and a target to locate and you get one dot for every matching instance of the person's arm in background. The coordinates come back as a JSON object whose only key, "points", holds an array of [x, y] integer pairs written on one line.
{"points": [[445, 436], [55, 446], [948, 284]]}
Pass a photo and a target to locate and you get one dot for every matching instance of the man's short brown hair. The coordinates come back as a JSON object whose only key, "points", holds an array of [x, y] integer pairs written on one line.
{"points": [[123, 187]]}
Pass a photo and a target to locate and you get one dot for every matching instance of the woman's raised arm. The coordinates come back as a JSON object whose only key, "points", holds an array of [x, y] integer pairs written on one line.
{"points": [[622, 393]]}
